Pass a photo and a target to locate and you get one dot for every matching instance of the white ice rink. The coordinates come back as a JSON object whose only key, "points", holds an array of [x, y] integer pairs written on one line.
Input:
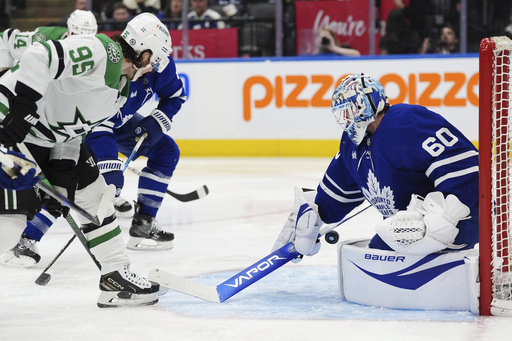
{"points": [[230, 229]]}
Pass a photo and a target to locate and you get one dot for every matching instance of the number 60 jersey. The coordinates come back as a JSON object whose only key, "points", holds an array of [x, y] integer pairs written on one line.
{"points": [[413, 151], [79, 79]]}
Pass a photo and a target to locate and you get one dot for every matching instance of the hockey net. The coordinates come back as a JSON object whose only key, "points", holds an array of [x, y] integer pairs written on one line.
{"points": [[495, 149]]}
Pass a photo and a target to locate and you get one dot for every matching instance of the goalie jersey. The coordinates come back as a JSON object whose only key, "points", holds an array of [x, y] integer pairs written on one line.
{"points": [[413, 151], [77, 84]]}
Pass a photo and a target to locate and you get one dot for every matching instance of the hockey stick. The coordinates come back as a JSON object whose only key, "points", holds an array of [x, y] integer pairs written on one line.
{"points": [[242, 279], [45, 277], [199, 193], [12, 168], [135, 150]]}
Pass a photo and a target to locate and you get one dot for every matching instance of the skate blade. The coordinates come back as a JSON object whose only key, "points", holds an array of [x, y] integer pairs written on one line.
{"points": [[121, 299], [10, 259], [145, 244]]}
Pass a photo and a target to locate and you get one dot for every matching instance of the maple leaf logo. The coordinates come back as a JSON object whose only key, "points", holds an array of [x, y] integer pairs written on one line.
{"points": [[382, 199]]}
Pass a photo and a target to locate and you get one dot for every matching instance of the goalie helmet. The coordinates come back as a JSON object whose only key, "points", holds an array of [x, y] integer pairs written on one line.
{"points": [[82, 22], [146, 32], [355, 104]]}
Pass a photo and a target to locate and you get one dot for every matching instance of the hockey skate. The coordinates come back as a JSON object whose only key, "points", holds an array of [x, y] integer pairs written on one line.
{"points": [[123, 288], [146, 235], [123, 208], [25, 254]]}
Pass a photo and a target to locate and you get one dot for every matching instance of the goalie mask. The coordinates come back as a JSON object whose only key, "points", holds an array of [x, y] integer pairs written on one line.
{"points": [[355, 104], [82, 22], [146, 32]]}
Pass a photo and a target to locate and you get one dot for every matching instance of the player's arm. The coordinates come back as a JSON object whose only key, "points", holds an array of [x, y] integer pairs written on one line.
{"points": [[171, 94], [101, 143]]}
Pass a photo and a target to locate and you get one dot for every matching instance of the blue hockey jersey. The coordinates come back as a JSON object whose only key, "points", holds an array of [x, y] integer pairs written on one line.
{"points": [[171, 96], [413, 151]]}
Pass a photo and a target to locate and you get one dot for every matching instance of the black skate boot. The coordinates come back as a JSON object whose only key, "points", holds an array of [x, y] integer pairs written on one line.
{"points": [[123, 208], [146, 235], [123, 288], [25, 254]]}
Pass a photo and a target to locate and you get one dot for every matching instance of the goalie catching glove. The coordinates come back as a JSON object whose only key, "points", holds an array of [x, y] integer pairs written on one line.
{"points": [[302, 226], [426, 226]]}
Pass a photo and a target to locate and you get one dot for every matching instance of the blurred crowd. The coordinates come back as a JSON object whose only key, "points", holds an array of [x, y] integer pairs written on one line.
{"points": [[405, 26]]}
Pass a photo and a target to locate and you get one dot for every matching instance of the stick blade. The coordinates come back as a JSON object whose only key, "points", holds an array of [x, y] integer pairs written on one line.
{"points": [[184, 285], [202, 191], [43, 279]]}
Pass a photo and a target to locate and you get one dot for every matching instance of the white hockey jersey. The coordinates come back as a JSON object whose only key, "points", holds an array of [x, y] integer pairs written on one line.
{"points": [[80, 82]]}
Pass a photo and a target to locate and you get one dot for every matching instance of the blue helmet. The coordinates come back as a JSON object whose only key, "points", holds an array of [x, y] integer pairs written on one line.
{"points": [[355, 104]]}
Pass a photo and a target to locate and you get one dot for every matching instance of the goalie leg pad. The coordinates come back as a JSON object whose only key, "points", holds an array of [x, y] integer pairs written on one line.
{"points": [[441, 281]]}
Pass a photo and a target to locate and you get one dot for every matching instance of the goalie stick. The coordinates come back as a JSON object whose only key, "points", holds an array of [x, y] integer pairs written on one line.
{"points": [[242, 279], [199, 193]]}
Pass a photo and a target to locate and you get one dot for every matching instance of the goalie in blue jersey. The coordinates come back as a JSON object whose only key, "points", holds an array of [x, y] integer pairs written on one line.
{"points": [[411, 164], [421, 174]]}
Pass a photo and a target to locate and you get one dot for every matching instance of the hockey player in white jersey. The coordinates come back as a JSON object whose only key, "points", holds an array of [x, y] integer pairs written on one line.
{"points": [[81, 82], [411, 164], [14, 43], [118, 135]]}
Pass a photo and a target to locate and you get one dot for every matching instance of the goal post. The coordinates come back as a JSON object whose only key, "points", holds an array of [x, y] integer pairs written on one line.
{"points": [[495, 170]]}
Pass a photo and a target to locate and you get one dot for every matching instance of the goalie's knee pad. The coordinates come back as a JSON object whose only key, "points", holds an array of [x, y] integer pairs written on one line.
{"points": [[438, 281]]}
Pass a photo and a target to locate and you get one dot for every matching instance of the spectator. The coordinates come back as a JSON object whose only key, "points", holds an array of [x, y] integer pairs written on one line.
{"points": [[449, 41], [173, 11], [202, 12], [327, 43], [399, 37], [508, 29], [120, 16], [138, 6]]}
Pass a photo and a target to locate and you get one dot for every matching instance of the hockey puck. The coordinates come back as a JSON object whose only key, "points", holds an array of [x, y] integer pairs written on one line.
{"points": [[43, 279], [332, 237]]}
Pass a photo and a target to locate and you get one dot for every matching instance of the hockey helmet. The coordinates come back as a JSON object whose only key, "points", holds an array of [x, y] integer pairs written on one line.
{"points": [[146, 32], [82, 22], [355, 104]]}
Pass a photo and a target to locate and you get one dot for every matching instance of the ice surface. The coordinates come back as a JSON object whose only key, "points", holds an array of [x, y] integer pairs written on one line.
{"points": [[230, 229]]}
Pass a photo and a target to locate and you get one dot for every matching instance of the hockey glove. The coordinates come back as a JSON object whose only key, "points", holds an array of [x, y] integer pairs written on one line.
{"points": [[17, 124], [296, 228], [155, 125], [18, 179], [62, 175], [112, 173], [426, 226]]}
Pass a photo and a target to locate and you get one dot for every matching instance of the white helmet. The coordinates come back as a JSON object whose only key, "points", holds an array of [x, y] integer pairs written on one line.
{"points": [[356, 103], [146, 32], [82, 22]]}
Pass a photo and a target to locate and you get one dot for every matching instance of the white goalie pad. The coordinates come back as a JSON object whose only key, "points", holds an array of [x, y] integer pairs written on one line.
{"points": [[439, 281]]}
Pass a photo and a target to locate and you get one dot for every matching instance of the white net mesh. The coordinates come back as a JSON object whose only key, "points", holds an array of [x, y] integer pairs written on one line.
{"points": [[501, 175]]}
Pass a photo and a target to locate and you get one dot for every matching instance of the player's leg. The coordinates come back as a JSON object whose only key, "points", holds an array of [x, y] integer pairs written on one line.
{"points": [[145, 234], [119, 286], [14, 209], [26, 253]]}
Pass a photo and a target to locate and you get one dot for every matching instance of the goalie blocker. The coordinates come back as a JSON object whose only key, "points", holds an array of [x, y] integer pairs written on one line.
{"points": [[438, 281]]}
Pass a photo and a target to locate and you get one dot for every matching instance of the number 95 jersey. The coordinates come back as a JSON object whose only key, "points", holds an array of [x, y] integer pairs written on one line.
{"points": [[413, 151], [79, 79]]}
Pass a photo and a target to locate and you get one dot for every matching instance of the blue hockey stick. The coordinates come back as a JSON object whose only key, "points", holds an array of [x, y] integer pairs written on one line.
{"points": [[242, 279], [135, 150]]}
